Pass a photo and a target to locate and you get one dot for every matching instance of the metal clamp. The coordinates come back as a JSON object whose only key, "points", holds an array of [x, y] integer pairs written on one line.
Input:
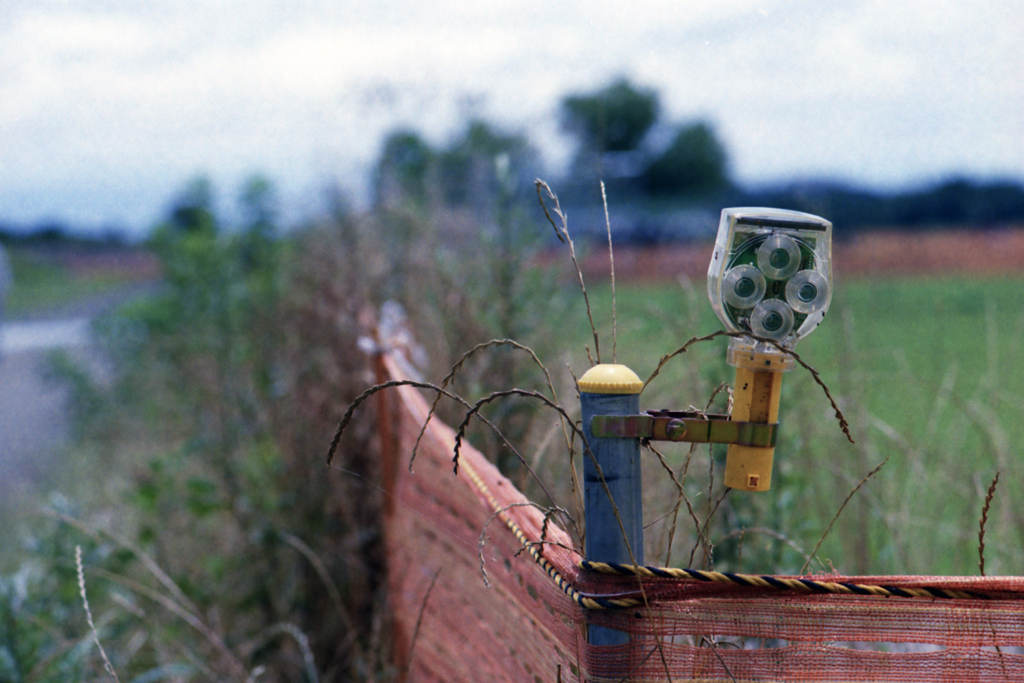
{"points": [[687, 427]]}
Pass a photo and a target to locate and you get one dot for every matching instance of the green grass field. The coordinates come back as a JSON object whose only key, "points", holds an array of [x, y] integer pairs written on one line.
{"points": [[42, 282], [928, 371]]}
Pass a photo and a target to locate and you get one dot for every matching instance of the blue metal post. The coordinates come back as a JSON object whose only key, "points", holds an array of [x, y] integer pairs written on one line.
{"points": [[611, 390]]}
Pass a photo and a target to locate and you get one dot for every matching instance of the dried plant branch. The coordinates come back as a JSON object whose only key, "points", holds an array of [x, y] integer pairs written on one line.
{"points": [[88, 614], [711, 491], [629, 676], [725, 388], [300, 638], [526, 464], [347, 417], [577, 490], [843, 424], [665, 466], [718, 655], [321, 571], [768, 532], [458, 366], [563, 235], [703, 534], [541, 544], [189, 618], [611, 259], [482, 539], [419, 622], [474, 410], [842, 507], [681, 350], [680, 495], [701, 529], [500, 342], [538, 183], [147, 561], [540, 452], [544, 530], [689, 504], [984, 519], [702, 539]]}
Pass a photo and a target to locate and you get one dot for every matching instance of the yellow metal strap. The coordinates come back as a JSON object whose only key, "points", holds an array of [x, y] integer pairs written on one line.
{"points": [[684, 427]]}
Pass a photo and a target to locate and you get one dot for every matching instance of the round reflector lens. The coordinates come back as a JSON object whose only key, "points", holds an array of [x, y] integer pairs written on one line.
{"points": [[772, 318], [743, 287], [778, 257], [807, 291]]}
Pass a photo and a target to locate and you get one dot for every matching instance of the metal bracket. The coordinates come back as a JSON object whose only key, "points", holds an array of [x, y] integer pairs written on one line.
{"points": [[689, 427]]}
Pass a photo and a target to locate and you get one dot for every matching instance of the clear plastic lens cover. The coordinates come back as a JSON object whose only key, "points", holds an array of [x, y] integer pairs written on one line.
{"points": [[772, 318], [808, 291], [744, 287], [771, 273], [779, 257]]}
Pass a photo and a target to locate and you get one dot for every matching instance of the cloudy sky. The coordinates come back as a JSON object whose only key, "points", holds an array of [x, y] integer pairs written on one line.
{"points": [[107, 108]]}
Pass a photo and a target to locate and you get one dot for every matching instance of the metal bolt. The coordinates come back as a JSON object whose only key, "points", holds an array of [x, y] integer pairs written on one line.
{"points": [[675, 430]]}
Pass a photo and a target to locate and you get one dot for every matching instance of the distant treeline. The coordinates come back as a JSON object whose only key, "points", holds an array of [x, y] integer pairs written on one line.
{"points": [[666, 180], [958, 202], [52, 234]]}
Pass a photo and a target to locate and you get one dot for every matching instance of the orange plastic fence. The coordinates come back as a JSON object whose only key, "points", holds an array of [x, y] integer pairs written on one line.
{"points": [[510, 617]]}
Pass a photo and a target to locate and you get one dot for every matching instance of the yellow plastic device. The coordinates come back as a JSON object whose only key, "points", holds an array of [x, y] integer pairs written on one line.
{"points": [[770, 277], [755, 399]]}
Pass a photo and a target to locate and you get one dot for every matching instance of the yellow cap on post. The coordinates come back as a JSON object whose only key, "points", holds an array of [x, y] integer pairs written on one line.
{"points": [[609, 378]]}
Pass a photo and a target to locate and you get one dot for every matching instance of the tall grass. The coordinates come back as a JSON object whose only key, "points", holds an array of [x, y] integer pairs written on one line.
{"points": [[926, 370], [217, 547]]}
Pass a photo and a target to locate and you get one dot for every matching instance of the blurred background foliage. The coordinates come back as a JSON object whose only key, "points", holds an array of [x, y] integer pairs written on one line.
{"points": [[206, 504], [217, 545]]}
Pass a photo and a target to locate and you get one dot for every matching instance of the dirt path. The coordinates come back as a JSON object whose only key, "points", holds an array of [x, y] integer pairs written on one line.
{"points": [[33, 420], [34, 415]]}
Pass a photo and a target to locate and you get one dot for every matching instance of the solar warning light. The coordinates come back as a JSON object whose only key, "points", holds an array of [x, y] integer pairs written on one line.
{"points": [[770, 282], [770, 276]]}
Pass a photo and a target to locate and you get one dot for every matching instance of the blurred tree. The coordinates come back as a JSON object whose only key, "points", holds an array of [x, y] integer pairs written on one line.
{"points": [[50, 232], [613, 119], [694, 165], [402, 169], [472, 169], [258, 207], [6, 280], [258, 202], [221, 293], [610, 126], [459, 253], [192, 210]]}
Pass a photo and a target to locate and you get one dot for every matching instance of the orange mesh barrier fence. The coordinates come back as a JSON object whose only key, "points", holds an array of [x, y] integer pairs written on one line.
{"points": [[474, 598], [449, 624]]}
